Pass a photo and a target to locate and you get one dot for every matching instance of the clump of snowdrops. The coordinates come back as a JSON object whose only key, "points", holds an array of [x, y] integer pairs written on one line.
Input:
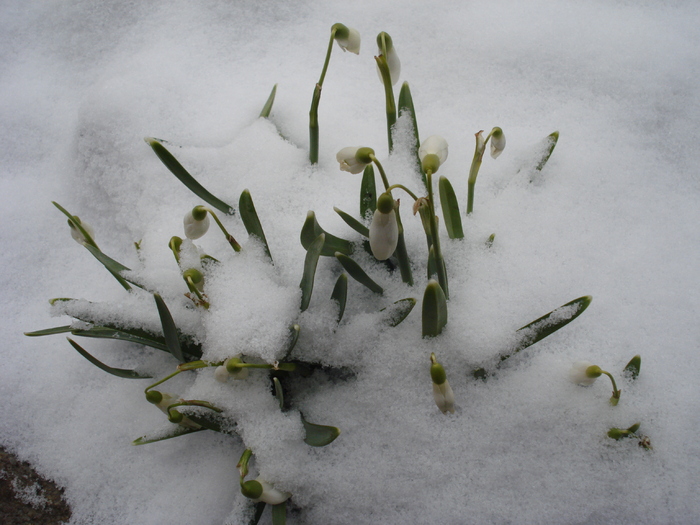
{"points": [[379, 226]]}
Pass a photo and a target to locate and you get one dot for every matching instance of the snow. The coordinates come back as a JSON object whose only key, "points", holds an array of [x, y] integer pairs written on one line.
{"points": [[613, 215]]}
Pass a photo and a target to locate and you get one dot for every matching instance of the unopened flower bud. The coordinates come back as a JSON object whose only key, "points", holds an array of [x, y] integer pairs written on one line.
{"points": [[392, 59], [353, 159], [442, 392], [433, 153], [384, 229], [196, 222], [584, 373], [498, 142], [347, 38], [77, 234]]}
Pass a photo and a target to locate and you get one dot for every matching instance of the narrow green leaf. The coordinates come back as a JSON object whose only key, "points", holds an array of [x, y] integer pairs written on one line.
{"points": [[257, 514], [72, 219], [389, 97], [633, 367], [401, 255], [406, 105], [310, 232], [319, 435], [50, 331], [174, 432], [353, 223], [104, 332], [188, 180], [552, 140], [119, 372], [434, 309], [313, 252], [368, 193], [340, 293], [432, 266], [250, 219], [550, 323], [279, 394], [279, 514], [357, 273], [450, 209], [113, 267], [397, 312], [172, 341], [294, 332], [265, 113]]}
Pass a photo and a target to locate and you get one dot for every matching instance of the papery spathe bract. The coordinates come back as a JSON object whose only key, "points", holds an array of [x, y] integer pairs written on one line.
{"points": [[498, 142], [354, 160], [196, 222], [78, 235], [384, 229], [433, 145], [348, 38], [584, 373]]}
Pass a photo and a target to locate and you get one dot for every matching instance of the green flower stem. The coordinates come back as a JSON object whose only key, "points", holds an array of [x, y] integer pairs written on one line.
{"points": [[162, 380], [316, 99], [381, 171], [439, 261], [243, 463], [404, 188], [203, 301], [287, 367], [389, 94], [236, 247], [193, 365], [616, 393]]}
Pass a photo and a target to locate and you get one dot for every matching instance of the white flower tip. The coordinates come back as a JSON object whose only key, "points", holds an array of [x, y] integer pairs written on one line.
{"points": [[434, 145], [577, 373], [383, 234], [194, 229]]}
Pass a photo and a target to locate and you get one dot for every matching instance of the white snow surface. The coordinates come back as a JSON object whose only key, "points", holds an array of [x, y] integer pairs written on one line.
{"points": [[614, 214]]}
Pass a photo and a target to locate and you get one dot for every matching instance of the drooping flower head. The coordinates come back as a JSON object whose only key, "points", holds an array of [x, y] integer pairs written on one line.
{"points": [[498, 142], [584, 373], [196, 222], [442, 392], [260, 490], [347, 38], [433, 153], [353, 159], [384, 230]]}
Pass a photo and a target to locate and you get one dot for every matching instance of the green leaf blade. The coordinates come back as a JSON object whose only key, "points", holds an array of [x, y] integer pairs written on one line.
{"points": [[118, 372], [353, 223], [267, 108], [434, 309], [313, 252], [172, 340], [252, 224], [357, 273], [319, 435], [312, 229], [340, 294], [184, 176], [173, 433], [368, 192], [397, 312], [450, 209]]}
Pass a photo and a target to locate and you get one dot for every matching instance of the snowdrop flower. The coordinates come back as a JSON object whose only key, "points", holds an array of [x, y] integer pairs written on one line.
{"points": [[260, 490], [433, 153], [196, 222], [348, 38], [584, 373], [384, 230], [498, 142], [354, 160], [392, 59], [442, 392], [229, 369], [77, 234]]}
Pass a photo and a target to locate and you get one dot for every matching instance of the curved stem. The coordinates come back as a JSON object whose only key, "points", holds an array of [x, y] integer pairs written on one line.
{"points": [[388, 95], [616, 392], [162, 380], [404, 188], [236, 247], [381, 172]]}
